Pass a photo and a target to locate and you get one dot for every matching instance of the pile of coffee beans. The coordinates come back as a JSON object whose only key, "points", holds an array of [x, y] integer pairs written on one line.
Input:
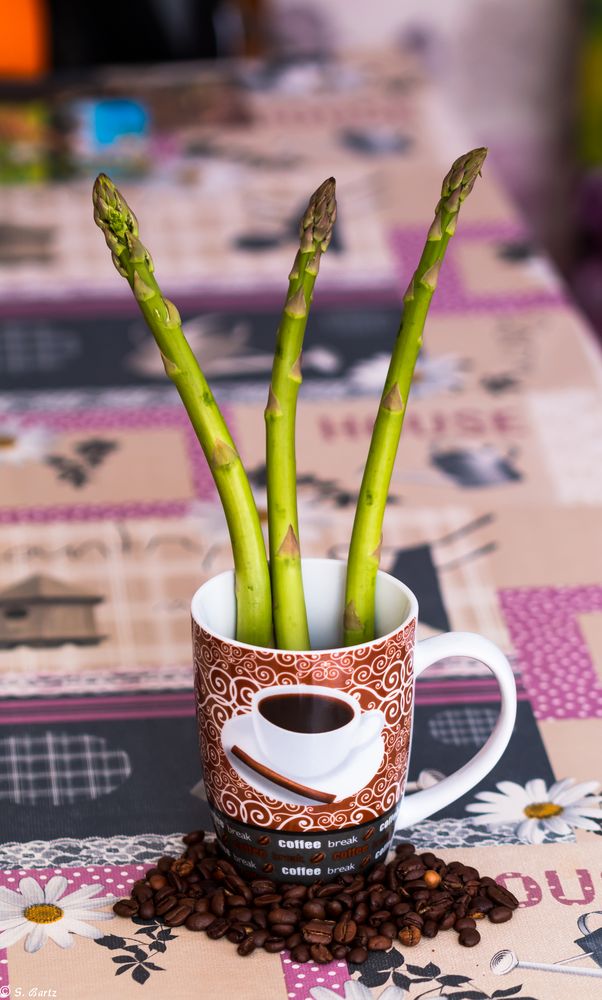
{"points": [[414, 896]]}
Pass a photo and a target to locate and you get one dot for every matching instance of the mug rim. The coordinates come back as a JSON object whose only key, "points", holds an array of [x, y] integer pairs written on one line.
{"points": [[409, 595]]}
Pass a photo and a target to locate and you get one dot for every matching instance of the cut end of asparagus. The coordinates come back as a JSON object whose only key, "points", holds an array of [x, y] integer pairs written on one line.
{"points": [[316, 226], [352, 622], [459, 182], [112, 213]]}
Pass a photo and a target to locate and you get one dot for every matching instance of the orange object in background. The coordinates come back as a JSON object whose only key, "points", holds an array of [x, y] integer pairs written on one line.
{"points": [[24, 48]]}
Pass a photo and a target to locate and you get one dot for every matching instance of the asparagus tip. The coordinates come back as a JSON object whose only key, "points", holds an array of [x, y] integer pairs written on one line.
{"points": [[316, 226], [111, 211], [463, 173]]}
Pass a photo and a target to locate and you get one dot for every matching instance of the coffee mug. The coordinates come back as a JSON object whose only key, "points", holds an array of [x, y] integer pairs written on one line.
{"points": [[305, 753]]}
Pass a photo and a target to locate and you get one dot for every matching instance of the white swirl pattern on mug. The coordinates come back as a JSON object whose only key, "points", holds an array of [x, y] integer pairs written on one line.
{"points": [[379, 676]]}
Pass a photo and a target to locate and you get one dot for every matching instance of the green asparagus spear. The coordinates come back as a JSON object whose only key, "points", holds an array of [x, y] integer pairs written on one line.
{"points": [[366, 537], [290, 617], [133, 261]]}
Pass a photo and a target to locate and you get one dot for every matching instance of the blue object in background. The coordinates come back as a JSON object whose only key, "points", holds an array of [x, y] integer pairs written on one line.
{"points": [[116, 117]]}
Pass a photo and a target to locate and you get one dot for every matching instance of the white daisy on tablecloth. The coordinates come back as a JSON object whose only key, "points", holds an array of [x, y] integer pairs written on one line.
{"points": [[19, 444], [43, 912], [357, 991], [537, 809]]}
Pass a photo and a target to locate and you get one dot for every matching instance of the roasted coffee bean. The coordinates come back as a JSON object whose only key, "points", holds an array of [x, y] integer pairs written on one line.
{"points": [[296, 892], [267, 899], [468, 938], [502, 896], [325, 891], [376, 919], [183, 867], [157, 882], [339, 950], [199, 921], [464, 923], [431, 878], [378, 873], [500, 914], [201, 906], [177, 916], [409, 936], [164, 864], [404, 850], [281, 930], [334, 908], [274, 944], [260, 937], [246, 946], [218, 903], [293, 940], [125, 907], [195, 837], [235, 935], [236, 900], [263, 840], [379, 943], [320, 953], [479, 907], [369, 833], [412, 919], [142, 892], [400, 908], [361, 913], [357, 956], [318, 931], [218, 928], [176, 880], [300, 953], [261, 886], [242, 913], [146, 910], [314, 909], [165, 906], [447, 921], [260, 917], [388, 928], [430, 929], [268, 868], [317, 857], [280, 915], [345, 930]]}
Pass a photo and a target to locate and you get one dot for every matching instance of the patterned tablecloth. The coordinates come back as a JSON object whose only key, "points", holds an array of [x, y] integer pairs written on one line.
{"points": [[109, 521]]}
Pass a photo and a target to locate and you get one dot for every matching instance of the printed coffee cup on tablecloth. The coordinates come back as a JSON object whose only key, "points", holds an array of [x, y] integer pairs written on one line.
{"points": [[305, 753]]}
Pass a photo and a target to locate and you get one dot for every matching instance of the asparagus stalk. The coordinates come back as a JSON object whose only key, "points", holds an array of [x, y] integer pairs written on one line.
{"points": [[290, 617], [366, 537], [133, 261]]}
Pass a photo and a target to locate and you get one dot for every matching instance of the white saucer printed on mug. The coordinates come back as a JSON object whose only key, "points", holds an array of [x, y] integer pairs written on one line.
{"points": [[348, 778]]}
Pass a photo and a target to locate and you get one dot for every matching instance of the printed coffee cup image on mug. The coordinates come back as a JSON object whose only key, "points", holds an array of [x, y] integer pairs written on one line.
{"points": [[305, 731], [305, 753]]}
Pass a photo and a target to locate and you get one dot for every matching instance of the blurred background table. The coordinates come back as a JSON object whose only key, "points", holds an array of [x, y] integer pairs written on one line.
{"points": [[109, 521]]}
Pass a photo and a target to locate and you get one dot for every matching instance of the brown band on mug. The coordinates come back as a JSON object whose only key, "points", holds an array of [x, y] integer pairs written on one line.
{"points": [[279, 779]]}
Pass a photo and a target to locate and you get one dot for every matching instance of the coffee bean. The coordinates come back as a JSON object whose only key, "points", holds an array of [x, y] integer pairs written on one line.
{"points": [[500, 914], [300, 953], [431, 878], [345, 931], [125, 907], [357, 956], [409, 936], [369, 833], [447, 921], [218, 903], [313, 908], [267, 899], [199, 921], [318, 931], [195, 837], [164, 864], [379, 943], [157, 882], [325, 891], [242, 913], [464, 923], [261, 886], [469, 937], [296, 892], [320, 953], [235, 935], [177, 916], [218, 928], [274, 944], [430, 929], [146, 910], [263, 840], [280, 915], [246, 946], [293, 940], [339, 950], [165, 906], [260, 937], [142, 892], [334, 908], [388, 929], [183, 867], [317, 857], [269, 869], [502, 896], [236, 900]]}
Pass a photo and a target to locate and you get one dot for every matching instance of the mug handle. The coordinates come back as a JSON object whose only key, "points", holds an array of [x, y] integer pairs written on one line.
{"points": [[422, 804]]}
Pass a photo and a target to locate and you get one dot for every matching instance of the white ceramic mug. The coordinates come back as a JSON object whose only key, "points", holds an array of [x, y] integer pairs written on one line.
{"points": [[347, 803]]}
